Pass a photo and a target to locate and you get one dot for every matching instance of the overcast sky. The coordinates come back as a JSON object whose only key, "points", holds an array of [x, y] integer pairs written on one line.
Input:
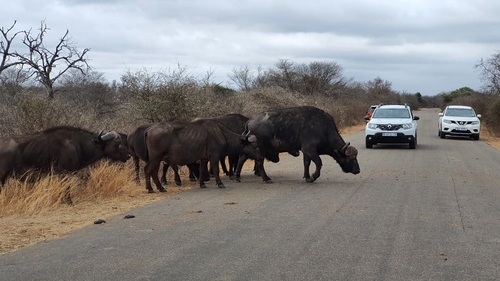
{"points": [[426, 46]]}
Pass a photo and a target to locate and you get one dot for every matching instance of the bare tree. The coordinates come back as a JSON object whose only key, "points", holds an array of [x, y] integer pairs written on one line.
{"points": [[490, 72], [207, 79], [320, 77], [285, 75], [381, 91], [42, 61], [242, 77], [5, 48]]}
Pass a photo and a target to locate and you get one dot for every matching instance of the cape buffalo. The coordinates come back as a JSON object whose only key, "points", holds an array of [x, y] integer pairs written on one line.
{"points": [[60, 149], [236, 123], [305, 128], [136, 144], [206, 140]]}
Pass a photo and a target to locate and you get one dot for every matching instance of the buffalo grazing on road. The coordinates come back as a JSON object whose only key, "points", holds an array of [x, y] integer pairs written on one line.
{"points": [[305, 128]]}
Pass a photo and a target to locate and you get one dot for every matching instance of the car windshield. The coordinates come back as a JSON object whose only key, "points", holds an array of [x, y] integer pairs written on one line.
{"points": [[460, 112], [391, 113]]}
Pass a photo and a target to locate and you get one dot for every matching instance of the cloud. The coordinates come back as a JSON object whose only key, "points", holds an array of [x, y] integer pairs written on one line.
{"points": [[418, 45]]}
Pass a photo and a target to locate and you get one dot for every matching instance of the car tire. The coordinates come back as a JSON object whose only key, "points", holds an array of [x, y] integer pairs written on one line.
{"points": [[442, 135], [439, 133], [413, 144], [476, 137], [368, 144]]}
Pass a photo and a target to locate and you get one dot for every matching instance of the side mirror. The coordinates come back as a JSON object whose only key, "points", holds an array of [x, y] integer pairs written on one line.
{"points": [[416, 118], [478, 115], [440, 114], [367, 117]]}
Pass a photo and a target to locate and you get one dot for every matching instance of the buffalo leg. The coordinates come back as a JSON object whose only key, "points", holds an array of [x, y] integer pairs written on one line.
{"points": [[313, 155], [136, 166], [192, 175], [233, 163], [151, 171], [164, 174], [214, 163], [177, 178], [175, 168], [263, 174], [223, 165], [194, 171], [256, 169], [307, 164], [203, 168], [239, 166]]}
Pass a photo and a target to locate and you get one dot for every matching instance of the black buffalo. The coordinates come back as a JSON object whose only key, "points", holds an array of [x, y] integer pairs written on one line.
{"points": [[305, 128], [236, 123], [136, 143], [205, 140], [59, 149]]}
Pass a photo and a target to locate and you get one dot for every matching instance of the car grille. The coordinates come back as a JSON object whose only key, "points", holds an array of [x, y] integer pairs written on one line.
{"points": [[390, 127], [461, 123]]}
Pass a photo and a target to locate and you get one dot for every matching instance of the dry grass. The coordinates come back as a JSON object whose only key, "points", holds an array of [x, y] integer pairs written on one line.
{"points": [[32, 213], [490, 138]]}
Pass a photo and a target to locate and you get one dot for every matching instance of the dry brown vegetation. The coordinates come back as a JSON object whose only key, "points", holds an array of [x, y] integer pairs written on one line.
{"points": [[34, 213]]}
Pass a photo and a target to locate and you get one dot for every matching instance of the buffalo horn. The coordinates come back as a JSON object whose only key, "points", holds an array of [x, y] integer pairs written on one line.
{"points": [[252, 138], [342, 150], [100, 134], [108, 136]]}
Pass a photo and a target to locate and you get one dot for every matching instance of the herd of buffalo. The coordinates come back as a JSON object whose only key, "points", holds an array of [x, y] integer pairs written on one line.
{"points": [[195, 144]]}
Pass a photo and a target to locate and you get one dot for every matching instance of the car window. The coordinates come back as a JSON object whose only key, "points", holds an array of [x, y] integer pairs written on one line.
{"points": [[391, 113], [460, 112]]}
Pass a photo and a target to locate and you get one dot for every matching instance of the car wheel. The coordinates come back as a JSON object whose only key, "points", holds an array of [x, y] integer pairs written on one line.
{"points": [[368, 144], [476, 137], [439, 133], [413, 144], [443, 135]]}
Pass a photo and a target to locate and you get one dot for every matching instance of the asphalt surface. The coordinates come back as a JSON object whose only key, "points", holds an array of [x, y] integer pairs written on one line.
{"points": [[432, 213]]}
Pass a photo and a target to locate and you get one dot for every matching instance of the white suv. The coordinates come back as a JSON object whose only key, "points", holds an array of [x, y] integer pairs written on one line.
{"points": [[459, 120], [392, 124]]}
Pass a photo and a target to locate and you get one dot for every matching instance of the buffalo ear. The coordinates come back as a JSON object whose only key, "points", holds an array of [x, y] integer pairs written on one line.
{"points": [[351, 150]]}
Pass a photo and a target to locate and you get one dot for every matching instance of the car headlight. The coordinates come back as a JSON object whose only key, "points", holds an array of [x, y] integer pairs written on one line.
{"points": [[407, 126], [372, 126], [474, 123], [446, 121]]}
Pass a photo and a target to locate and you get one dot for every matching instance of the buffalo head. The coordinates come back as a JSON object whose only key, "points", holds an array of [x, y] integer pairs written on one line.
{"points": [[250, 146], [347, 159], [114, 146]]}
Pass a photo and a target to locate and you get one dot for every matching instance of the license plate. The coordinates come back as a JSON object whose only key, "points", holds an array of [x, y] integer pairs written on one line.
{"points": [[389, 134], [461, 129]]}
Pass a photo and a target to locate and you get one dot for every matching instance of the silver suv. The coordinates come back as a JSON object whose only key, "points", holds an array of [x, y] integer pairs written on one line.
{"points": [[391, 124]]}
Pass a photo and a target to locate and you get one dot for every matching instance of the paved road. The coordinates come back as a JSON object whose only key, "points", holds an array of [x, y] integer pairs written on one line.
{"points": [[427, 214]]}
